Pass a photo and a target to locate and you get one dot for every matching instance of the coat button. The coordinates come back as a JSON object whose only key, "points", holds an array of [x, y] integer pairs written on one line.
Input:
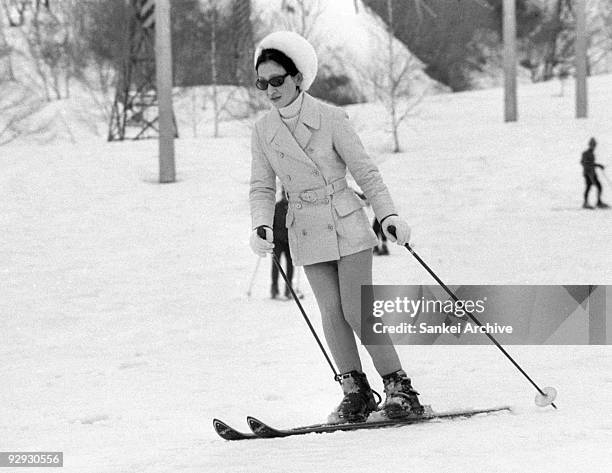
{"points": [[330, 227], [282, 155], [315, 172], [310, 150], [326, 200], [298, 205], [304, 232], [288, 177]]}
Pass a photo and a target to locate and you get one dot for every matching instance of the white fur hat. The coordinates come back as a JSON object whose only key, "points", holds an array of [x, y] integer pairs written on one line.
{"points": [[297, 48]]}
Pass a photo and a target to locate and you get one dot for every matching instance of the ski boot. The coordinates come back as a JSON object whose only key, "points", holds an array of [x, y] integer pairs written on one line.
{"points": [[358, 401], [384, 250], [602, 205], [401, 398], [587, 206], [274, 291]]}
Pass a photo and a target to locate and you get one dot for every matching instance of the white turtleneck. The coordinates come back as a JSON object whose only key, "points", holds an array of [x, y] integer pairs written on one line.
{"points": [[291, 113]]}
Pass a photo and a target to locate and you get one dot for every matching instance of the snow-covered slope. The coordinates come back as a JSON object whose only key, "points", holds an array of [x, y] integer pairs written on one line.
{"points": [[126, 326]]}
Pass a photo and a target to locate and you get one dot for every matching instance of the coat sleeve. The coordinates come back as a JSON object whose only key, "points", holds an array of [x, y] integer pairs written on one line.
{"points": [[348, 145], [262, 195]]}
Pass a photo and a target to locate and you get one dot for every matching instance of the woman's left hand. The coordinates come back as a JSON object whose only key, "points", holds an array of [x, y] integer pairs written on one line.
{"points": [[402, 229]]}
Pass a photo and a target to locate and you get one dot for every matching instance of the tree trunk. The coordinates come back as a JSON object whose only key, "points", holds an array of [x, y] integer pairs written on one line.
{"points": [[163, 73], [391, 78], [10, 72], [213, 66], [510, 104], [581, 60]]}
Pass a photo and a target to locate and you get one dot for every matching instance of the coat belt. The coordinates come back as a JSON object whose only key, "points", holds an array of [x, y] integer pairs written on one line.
{"points": [[312, 195]]}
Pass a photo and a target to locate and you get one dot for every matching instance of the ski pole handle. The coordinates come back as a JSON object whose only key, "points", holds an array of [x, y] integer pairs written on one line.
{"points": [[261, 232], [391, 229]]}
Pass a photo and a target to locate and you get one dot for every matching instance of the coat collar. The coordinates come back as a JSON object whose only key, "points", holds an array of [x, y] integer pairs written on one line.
{"points": [[310, 118], [311, 114]]}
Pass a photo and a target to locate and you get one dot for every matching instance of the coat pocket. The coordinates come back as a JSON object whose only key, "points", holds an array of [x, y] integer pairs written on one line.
{"points": [[352, 222], [346, 203]]}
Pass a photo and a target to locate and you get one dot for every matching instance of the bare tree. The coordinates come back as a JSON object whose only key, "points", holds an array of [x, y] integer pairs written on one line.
{"points": [[390, 77], [6, 52], [600, 36], [550, 44], [44, 39], [302, 17], [56, 52], [223, 102], [14, 115], [213, 65]]}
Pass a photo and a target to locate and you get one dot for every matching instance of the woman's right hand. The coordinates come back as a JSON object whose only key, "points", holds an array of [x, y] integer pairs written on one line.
{"points": [[260, 246]]}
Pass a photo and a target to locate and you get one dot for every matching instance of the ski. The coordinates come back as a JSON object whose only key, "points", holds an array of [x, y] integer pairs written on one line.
{"points": [[229, 433], [263, 430]]}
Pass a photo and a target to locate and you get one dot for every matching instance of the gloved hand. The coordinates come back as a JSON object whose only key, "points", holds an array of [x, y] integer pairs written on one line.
{"points": [[260, 246], [402, 229]]}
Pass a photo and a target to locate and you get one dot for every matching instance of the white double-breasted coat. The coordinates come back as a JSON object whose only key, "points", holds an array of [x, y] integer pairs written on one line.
{"points": [[325, 218]]}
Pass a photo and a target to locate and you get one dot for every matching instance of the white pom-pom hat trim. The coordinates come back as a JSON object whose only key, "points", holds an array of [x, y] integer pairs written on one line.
{"points": [[295, 47]]}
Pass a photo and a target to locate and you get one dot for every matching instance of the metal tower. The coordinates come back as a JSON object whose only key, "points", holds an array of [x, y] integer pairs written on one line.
{"points": [[135, 109]]}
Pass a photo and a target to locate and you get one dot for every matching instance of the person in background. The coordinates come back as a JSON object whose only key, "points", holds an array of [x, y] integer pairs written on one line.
{"points": [[381, 249], [281, 246], [590, 175]]}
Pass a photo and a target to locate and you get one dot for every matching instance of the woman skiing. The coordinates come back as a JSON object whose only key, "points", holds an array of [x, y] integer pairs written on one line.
{"points": [[309, 145]]}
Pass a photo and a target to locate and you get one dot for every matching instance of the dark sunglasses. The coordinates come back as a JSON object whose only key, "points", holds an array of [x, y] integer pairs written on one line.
{"points": [[276, 81]]}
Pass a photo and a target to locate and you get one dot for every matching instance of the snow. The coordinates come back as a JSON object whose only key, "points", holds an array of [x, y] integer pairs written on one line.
{"points": [[127, 327]]}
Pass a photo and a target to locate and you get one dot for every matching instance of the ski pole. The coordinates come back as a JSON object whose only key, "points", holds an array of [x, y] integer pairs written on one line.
{"points": [[261, 232], [548, 394], [607, 178], [253, 277]]}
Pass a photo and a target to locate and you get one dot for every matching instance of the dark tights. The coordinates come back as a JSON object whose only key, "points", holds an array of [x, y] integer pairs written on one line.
{"points": [[378, 230], [280, 248], [591, 180]]}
